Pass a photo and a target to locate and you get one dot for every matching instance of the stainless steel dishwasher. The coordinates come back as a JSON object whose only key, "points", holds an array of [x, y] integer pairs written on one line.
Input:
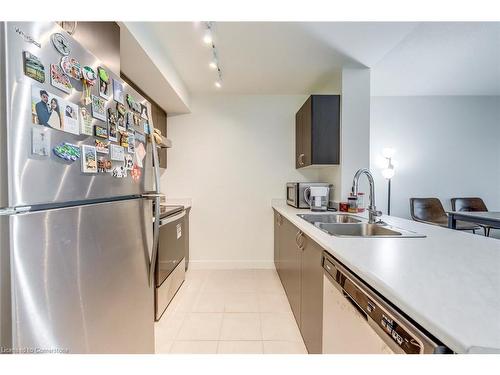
{"points": [[358, 321]]}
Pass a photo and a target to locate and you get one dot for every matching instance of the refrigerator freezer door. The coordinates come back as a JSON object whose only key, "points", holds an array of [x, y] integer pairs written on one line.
{"points": [[80, 279], [35, 179]]}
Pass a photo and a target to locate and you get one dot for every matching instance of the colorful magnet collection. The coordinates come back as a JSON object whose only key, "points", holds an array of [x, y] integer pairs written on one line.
{"points": [[120, 124]]}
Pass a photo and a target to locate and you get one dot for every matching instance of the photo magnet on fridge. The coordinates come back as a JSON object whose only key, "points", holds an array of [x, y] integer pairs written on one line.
{"points": [[116, 152], [118, 94], [40, 141], [85, 122], [89, 159], [131, 143], [124, 139], [113, 131], [50, 110], [128, 162], [144, 112], [60, 80], [98, 108], [33, 67], [104, 83]]}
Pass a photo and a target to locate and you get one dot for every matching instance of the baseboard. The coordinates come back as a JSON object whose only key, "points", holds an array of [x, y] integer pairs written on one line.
{"points": [[225, 265]]}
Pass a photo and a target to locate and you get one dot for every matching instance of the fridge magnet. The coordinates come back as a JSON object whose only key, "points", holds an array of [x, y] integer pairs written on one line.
{"points": [[133, 105], [140, 153], [129, 120], [85, 122], [124, 139], [40, 141], [89, 78], [33, 67], [113, 131], [101, 131], [118, 94], [60, 43], [89, 159], [102, 147], [135, 173], [50, 110], [104, 83], [67, 151], [120, 122], [139, 137], [59, 80], [103, 165], [71, 67], [131, 143], [128, 163], [144, 112], [119, 172], [98, 108], [71, 124], [116, 152], [146, 128]]}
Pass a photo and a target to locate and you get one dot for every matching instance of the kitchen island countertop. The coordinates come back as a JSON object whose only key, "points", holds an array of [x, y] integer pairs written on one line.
{"points": [[448, 282]]}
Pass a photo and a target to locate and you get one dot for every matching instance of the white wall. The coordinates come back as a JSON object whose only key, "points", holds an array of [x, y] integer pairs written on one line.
{"points": [[232, 155], [355, 133], [446, 146]]}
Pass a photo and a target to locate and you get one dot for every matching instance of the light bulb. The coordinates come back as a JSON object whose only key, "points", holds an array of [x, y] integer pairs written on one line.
{"points": [[213, 64], [388, 152], [388, 173], [218, 84], [207, 37]]}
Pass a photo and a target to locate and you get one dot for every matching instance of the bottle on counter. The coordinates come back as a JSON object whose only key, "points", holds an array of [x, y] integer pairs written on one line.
{"points": [[353, 203], [361, 202]]}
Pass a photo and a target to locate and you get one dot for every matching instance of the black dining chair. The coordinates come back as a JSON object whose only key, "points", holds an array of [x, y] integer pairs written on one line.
{"points": [[472, 204], [431, 211]]}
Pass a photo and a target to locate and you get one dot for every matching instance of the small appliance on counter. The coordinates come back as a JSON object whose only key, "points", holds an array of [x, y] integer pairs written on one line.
{"points": [[299, 193], [317, 197]]}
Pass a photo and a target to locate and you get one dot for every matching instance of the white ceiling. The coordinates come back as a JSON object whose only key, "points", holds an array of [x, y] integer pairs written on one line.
{"points": [[304, 57]]}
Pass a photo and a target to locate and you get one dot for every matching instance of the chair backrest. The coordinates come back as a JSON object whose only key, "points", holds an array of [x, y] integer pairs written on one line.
{"points": [[468, 204], [428, 210]]}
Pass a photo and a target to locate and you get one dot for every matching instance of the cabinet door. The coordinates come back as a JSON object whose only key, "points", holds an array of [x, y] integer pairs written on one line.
{"points": [[290, 266], [311, 310], [303, 135], [277, 227]]}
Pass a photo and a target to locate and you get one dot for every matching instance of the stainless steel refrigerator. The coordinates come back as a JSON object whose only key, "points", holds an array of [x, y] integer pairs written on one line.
{"points": [[76, 247]]}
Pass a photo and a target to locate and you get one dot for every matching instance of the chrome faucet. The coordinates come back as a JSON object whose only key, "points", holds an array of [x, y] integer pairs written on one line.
{"points": [[372, 210]]}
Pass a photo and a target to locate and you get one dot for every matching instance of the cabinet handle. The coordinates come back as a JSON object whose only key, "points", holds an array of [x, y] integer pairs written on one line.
{"points": [[279, 219], [301, 159], [302, 243], [297, 238]]}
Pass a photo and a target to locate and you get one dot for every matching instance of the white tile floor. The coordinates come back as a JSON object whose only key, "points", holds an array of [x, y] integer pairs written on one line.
{"points": [[229, 312]]}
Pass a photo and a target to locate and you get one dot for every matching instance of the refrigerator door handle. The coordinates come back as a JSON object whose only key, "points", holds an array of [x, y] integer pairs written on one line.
{"points": [[156, 224]]}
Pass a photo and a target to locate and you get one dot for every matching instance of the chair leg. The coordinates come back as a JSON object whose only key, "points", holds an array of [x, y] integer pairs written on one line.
{"points": [[487, 231], [473, 231]]}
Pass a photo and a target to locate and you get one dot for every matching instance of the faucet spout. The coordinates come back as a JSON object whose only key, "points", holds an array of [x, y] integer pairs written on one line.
{"points": [[372, 210]]}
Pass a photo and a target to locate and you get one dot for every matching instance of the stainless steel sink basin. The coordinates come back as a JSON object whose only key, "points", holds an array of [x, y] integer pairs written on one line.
{"points": [[365, 230], [345, 225], [329, 218]]}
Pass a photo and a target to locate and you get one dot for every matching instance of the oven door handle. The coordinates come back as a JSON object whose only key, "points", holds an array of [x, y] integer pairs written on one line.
{"points": [[170, 219]]}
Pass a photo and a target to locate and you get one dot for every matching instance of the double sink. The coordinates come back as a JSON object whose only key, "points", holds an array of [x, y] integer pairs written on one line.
{"points": [[345, 225]]}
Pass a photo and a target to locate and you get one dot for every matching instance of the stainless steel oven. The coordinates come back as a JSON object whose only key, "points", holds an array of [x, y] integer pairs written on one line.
{"points": [[170, 266]]}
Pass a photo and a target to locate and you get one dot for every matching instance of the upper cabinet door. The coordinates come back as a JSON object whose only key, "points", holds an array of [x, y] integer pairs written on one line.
{"points": [[303, 132], [317, 131]]}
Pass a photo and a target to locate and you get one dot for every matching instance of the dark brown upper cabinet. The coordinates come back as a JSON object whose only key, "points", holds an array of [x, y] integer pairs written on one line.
{"points": [[317, 131]]}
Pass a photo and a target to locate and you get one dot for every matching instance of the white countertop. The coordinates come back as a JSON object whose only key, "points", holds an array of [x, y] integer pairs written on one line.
{"points": [[448, 282]]}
